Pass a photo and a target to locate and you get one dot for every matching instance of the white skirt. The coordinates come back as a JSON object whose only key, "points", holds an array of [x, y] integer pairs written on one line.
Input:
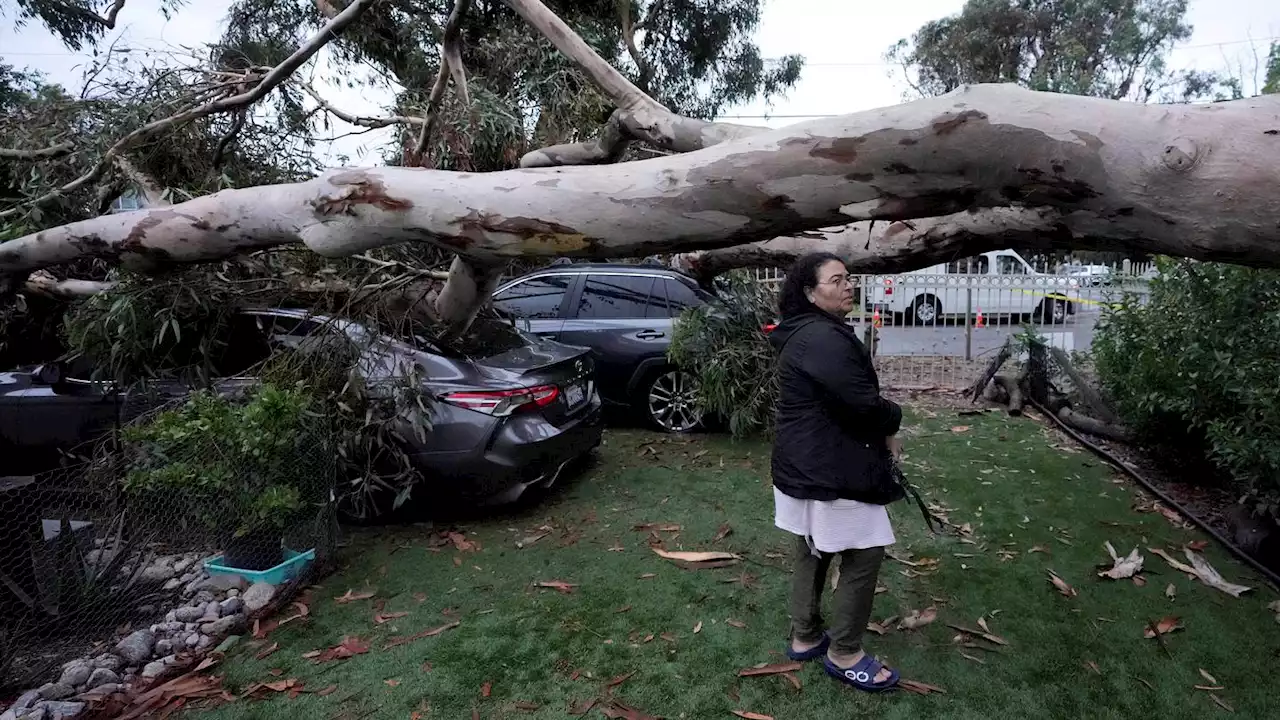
{"points": [[833, 525]]}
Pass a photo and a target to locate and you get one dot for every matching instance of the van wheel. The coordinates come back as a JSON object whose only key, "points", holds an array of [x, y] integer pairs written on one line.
{"points": [[926, 310], [1051, 311], [668, 400]]}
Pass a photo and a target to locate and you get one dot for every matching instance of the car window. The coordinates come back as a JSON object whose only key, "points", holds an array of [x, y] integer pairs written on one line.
{"points": [[484, 338], [241, 347], [616, 296], [969, 266], [681, 297], [538, 297], [1009, 265]]}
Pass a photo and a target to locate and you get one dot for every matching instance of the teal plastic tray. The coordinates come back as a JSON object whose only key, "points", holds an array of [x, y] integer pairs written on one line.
{"points": [[293, 565]]}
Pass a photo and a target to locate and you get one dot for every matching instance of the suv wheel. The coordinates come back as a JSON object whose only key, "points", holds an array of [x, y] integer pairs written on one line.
{"points": [[669, 400]]}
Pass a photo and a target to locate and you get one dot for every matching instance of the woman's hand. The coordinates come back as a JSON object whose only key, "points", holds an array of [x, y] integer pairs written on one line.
{"points": [[895, 446]]}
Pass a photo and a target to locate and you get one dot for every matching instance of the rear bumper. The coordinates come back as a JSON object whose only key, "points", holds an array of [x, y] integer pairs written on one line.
{"points": [[522, 452]]}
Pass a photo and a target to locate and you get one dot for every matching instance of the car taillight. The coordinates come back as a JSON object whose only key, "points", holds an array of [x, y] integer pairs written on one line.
{"points": [[888, 286], [501, 403], [769, 328]]}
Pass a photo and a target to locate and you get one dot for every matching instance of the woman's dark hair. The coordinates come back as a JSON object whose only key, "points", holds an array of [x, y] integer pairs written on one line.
{"points": [[801, 276]]}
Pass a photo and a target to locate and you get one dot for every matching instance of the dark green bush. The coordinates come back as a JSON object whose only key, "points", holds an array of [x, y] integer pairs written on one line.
{"points": [[724, 345], [1198, 369]]}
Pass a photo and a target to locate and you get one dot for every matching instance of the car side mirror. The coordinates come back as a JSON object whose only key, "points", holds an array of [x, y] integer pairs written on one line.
{"points": [[49, 373]]}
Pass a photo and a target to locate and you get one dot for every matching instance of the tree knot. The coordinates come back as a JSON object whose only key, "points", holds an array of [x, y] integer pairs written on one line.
{"points": [[1181, 155]]}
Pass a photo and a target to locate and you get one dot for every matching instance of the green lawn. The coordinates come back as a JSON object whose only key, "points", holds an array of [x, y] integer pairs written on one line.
{"points": [[1016, 485]]}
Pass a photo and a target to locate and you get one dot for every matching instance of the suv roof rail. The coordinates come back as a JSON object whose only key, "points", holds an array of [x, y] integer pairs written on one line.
{"points": [[652, 261], [561, 261]]}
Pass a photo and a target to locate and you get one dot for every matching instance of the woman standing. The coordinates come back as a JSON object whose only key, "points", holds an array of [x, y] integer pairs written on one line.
{"points": [[833, 456]]}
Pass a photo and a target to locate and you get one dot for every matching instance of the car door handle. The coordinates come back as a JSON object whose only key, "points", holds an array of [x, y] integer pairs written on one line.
{"points": [[650, 334]]}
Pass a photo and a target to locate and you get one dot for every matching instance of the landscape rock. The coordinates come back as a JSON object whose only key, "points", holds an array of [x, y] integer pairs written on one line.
{"points": [[191, 626], [204, 596], [77, 674], [136, 648], [102, 690], [171, 584], [233, 592], [171, 616], [181, 564], [146, 609], [108, 661], [103, 676], [258, 596], [230, 606], [188, 577], [205, 641], [211, 612], [157, 574], [221, 627], [193, 639], [56, 691], [164, 647], [26, 700], [188, 614], [154, 669], [224, 583], [62, 710], [31, 713]]}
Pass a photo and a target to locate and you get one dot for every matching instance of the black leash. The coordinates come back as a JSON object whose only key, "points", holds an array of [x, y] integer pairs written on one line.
{"points": [[929, 518]]}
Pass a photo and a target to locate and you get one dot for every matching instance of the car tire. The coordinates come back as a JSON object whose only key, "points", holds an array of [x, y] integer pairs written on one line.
{"points": [[926, 310], [1051, 311], [667, 400]]}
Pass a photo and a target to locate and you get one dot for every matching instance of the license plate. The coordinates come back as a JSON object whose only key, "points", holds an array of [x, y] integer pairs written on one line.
{"points": [[574, 395]]}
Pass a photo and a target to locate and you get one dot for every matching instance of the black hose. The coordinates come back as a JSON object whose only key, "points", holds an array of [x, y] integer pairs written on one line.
{"points": [[1241, 555]]}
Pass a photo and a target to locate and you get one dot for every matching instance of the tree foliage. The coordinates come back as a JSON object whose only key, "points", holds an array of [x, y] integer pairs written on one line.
{"points": [[1195, 371], [1103, 48], [1271, 83]]}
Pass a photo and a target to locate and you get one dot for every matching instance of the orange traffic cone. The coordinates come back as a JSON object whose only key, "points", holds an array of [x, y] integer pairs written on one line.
{"points": [[875, 318], [980, 322]]}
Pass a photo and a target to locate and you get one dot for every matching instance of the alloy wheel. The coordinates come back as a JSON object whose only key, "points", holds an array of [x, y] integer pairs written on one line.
{"points": [[673, 402]]}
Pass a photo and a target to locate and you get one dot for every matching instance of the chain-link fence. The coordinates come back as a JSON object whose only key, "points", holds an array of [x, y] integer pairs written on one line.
{"points": [[161, 538]]}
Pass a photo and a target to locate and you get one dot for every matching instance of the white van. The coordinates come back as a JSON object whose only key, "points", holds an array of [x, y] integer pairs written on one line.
{"points": [[1002, 283]]}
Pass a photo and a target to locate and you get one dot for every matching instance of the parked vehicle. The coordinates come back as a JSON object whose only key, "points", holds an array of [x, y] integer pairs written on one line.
{"points": [[1005, 284], [512, 410], [1089, 275], [625, 314]]}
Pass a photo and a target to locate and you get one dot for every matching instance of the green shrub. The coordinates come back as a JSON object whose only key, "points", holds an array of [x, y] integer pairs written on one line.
{"points": [[723, 345], [223, 464], [1198, 368]]}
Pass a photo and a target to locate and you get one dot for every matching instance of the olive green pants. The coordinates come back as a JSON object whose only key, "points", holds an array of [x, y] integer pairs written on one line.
{"points": [[855, 593]]}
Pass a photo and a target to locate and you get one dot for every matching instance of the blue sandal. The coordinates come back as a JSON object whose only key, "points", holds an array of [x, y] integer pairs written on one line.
{"points": [[814, 653], [862, 674]]}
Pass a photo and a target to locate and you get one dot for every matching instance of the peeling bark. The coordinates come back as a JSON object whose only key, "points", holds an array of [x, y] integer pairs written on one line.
{"points": [[466, 291], [1194, 181], [45, 153], [41, 283]]}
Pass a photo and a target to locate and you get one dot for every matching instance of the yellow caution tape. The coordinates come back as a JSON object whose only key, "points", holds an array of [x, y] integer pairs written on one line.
{"points": [[1059, 296]]}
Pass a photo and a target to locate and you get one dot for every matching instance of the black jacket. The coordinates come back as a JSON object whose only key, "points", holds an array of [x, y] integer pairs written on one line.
{"points": [[831, 421]]}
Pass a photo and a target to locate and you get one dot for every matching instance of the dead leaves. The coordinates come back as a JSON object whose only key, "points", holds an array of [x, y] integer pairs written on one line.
{"points": [[1122, 568], [1164, 626], [735, 624], [1062, 586], [431, 632], [920, 688], [961, 429], [985, 633], [751, 716], [1203, 571], [918, 618], [559, 586], [351, 596], [698, 560], [382, 618], [461, 543], [348, 648], [767, 669], [722, 533]]}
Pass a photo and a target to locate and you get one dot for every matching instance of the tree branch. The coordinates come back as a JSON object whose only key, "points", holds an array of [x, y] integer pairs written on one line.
{"points": [[629, 37], [53, 151], [151, 189], [42, 283], [108, 21], [362, 121], [1193, 181], [450, 64], [277, 75]]}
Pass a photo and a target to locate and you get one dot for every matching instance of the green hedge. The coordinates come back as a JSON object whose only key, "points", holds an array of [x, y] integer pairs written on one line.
{"points": [[1198, 369]]}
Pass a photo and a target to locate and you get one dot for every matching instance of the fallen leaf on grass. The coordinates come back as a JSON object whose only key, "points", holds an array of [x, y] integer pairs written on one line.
{"points": [[793, 679], [557, 585], [1209, 688], [918, 618], [735, 623], [1061, 585], [668, 637], [974, 658], [989, 637], [618, 681], [751, 715], [1038, 549], [697, 628], [391, 682], [1170, 591], [618, 711], [526, 542], [624, 608], [420, 597], [1093, 666], [920, 688], [960, 429], [722, 533], [460, 542], [1205, 674], [350, 596], [1164, 626], [267, 652], [582, 707], [405, 639], [1222, 703], [1123, 567], [327, 691], [695, 557], [1201, 569], [349, 647], [525, 706], [1140, 580], [381, 618], [486, 689], [660, 527], [1197, 545], [774, 669], [647, 576]]}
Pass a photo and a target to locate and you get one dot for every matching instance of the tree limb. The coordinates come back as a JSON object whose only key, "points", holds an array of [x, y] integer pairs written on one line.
{"points": [[1192, 181], [277, 75], [108, 21], [363, 121], [47, 153], [450, 65], [629, 38], [42, 283], [219, 152], [151, 189]]}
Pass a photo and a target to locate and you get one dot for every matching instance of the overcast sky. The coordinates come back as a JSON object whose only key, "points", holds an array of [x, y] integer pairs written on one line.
{"points": [[843, 43]]}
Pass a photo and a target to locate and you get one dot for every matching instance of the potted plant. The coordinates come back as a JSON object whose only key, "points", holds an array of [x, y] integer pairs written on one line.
{"points": [[258, 543]]}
